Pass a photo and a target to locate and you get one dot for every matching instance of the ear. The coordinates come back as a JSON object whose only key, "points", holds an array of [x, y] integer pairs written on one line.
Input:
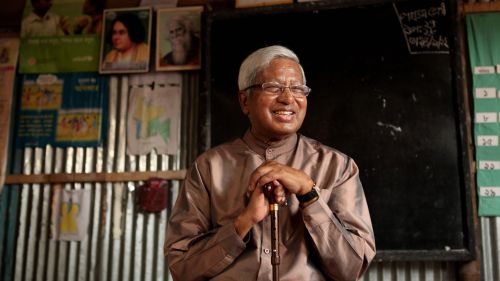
{"points": [[243, 97]]}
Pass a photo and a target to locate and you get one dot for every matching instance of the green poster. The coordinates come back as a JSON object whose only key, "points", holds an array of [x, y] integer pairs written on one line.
{"points": [[484, 43], [60, 36]]}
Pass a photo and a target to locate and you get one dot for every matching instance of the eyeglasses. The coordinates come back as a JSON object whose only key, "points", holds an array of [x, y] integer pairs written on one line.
{"points": [[176, 32], [298, 91]]}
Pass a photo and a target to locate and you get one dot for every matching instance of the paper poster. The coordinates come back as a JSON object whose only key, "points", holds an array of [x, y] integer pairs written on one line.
{"points": [[484, 43], [154, 110], [72, 211], [60, 36], [9, 49], [8, 59], [62, 110]]}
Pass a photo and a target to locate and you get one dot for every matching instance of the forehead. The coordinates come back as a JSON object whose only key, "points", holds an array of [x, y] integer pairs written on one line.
{"points": [[175, 24], [281, 69], [119, 25]]}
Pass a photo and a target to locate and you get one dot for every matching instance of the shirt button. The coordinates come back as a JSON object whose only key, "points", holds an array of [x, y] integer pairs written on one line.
{"points": [[269, 150], [267, 251]]}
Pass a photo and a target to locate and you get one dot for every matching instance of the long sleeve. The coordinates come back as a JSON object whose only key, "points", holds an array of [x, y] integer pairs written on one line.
{"points": [[196, 249], [340, 226]]}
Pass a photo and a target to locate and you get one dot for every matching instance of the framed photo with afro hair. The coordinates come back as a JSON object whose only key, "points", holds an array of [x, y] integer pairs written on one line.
{"points": [[178, 43], [125, 44]]}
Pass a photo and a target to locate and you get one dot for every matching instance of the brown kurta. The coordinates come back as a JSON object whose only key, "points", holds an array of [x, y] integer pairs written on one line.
{"points": [[331, 239]]}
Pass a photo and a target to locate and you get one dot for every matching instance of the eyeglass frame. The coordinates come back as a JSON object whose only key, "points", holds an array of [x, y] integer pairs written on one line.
{"points": [[282, 89]]}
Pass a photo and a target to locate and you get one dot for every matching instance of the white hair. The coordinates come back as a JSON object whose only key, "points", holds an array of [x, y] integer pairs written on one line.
{"points": [[183, 21], [259, 60]]}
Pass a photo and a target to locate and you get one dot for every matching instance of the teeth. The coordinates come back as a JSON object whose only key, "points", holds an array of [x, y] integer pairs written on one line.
{"points": [[284, 112]]}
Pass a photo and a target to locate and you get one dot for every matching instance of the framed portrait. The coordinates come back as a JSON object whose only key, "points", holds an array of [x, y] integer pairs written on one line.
{"points": [[125, 43], [178, 38]]}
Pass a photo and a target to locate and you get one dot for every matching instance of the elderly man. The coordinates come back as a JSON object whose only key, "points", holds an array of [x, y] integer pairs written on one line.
{"points": [[41, 22], [185, 46], [220, 228]]}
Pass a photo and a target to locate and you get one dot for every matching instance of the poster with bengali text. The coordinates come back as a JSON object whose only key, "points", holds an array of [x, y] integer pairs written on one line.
{"points": [[60, 36], [62, 110]]}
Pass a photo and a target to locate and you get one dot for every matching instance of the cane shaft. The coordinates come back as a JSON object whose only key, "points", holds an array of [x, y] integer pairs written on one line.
{"points": [[275, 255]]}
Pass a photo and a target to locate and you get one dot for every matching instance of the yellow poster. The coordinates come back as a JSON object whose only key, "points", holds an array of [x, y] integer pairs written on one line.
{"points": [[72, 214]]}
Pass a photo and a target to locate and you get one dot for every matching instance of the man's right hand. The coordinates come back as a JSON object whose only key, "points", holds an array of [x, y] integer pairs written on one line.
{"points": [[256, 210], [64, 24]]}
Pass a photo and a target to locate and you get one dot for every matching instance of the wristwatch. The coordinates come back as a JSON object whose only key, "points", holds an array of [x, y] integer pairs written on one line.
{"points": [[308, 196]]}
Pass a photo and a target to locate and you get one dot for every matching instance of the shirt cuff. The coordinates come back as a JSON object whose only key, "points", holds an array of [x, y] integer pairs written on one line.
{"points": [[317, 212], [231, 241]]}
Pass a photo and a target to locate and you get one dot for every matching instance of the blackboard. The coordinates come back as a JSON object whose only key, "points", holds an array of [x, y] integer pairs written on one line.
{"points": [[397, 112]]}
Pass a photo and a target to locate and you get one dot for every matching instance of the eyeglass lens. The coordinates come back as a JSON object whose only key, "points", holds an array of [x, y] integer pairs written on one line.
{"points": [[297, 90]]}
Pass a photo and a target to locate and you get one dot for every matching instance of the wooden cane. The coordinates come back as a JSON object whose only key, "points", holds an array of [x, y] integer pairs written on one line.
{"points": [[273, 212]]}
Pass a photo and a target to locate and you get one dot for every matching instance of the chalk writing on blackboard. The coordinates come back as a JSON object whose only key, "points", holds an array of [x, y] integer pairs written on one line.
{"points": [[424, 26]]}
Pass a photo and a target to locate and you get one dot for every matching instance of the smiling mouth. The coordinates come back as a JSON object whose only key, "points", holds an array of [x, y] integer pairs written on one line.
{"points": [[283, 112], [284, 115]]}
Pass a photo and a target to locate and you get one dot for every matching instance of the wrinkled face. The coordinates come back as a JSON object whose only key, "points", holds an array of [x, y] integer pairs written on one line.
{"points": [[120, 37], [275, 117], [178, 35]]}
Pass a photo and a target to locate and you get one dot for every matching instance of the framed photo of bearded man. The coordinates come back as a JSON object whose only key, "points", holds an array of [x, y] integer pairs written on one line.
{"points": [[178, 39], [125, 44]]}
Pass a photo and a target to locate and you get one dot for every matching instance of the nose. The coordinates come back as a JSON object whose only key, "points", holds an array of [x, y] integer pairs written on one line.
{"points": [[286, 96]]}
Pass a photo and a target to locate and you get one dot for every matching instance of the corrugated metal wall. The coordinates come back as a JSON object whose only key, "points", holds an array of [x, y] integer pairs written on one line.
{"points": [[490, 239], [123, 244], [410, 271]]}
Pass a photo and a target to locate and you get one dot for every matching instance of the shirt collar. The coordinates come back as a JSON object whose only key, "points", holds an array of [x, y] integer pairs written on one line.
{"points": [[277, 147], [34, 17]]}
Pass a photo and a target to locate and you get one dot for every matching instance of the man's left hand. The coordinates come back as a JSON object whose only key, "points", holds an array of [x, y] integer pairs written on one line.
{"points": [[290, 179]]}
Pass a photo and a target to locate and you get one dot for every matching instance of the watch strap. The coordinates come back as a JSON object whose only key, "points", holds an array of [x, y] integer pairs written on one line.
{"points": [[308, 196]]}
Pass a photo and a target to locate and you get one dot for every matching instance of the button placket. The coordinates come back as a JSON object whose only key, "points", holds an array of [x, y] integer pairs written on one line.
{"points": [[265, 269], [269, 153]]}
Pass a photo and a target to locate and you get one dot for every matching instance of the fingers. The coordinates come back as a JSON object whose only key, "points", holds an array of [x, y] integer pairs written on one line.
{"points": [[258, 206], [263, 175], [64, 23], [274, 192], [279, 193], [284, 179]]}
